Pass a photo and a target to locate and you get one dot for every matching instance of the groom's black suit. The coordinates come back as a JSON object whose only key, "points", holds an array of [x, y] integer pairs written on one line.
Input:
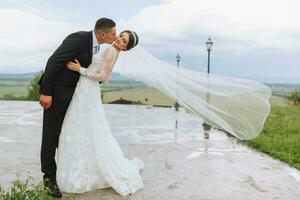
{"points": [[60, 82]]}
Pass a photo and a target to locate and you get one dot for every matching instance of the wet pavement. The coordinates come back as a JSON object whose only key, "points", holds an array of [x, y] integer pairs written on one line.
{"points": [[178, 164]]}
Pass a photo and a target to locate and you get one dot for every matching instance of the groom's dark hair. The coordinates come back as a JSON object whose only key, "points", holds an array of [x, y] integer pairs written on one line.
{"points": [[104, 24]]}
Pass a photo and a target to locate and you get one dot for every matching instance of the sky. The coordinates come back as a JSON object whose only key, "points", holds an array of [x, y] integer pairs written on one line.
{"points": [[257, 39]]}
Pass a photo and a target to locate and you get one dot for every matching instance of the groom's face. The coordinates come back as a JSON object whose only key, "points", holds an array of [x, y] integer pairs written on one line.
{"points": [[108, 36]]}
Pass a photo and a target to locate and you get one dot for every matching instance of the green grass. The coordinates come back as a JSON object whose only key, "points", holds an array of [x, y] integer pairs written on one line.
{"points": [[24, 190], [13, 90], [148, 96], [280, 137]]}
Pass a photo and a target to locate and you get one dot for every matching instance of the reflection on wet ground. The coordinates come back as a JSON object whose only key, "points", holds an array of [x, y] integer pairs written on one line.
{"points": [[177, 166]]}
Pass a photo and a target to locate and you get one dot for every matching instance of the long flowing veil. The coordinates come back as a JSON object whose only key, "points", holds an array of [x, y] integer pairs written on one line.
{"points": [[238, 106]]}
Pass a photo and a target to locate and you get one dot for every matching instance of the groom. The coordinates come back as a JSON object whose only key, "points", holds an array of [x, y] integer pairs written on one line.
{"points": [[57, 86]]}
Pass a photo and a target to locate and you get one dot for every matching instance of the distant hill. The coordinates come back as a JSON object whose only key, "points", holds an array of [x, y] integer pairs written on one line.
{"points": [[29, 76], [118, 77], [119, 80], [17, 77]]}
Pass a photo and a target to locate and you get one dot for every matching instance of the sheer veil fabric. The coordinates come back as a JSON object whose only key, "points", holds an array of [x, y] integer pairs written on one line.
{"points": [[238, 106]]}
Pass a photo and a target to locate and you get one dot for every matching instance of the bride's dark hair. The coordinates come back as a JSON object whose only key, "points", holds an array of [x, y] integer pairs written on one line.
{"points": [[133, 39]]}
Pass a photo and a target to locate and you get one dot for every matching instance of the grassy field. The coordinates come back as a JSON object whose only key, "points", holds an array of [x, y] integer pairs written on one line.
{"points": [[13, 88], [16, 90], [144, 95], [111, 92], [280, 137]]}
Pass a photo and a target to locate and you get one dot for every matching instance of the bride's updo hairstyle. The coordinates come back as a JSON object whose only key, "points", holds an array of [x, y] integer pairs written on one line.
{"points": [[133, 39]]}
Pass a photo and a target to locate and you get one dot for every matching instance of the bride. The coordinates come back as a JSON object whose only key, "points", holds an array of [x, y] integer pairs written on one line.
{"points": [[89, 157]]}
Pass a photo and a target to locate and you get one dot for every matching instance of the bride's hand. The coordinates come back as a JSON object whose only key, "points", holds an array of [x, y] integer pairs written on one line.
{"points": [[75, 66]]}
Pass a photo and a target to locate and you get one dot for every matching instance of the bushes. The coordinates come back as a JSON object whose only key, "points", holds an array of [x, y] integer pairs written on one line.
{"points": [[294, 97], [33, 88], [280, 137]]}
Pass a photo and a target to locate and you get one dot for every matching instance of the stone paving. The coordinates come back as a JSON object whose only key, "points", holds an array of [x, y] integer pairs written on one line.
{"points": [[178, 164]]}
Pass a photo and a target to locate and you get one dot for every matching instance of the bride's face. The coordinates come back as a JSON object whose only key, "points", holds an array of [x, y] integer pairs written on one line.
{"points": [[122, 40]]}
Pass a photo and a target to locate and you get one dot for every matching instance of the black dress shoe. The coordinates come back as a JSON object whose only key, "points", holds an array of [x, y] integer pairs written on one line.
{"points": [[52, 188]]}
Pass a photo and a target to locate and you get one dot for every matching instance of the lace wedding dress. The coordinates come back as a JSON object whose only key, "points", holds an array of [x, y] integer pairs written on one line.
{"points": [[88, 155]]}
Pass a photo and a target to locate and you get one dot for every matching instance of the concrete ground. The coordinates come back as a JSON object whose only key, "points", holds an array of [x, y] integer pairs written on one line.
{"points": [[178, 165]]}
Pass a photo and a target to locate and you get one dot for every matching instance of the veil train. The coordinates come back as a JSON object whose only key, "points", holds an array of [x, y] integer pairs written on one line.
{"points": [[238, 106]]}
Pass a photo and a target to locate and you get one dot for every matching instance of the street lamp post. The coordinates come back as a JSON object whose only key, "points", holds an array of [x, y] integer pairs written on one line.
{"points": [[209, 45], [178, 59], [176, 103]]}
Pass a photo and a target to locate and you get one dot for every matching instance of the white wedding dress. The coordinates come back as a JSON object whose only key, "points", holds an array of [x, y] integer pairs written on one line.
{"points": [[88, 156]]}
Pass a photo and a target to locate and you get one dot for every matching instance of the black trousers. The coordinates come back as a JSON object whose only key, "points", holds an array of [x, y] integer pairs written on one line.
{"points": [[52, 123]]}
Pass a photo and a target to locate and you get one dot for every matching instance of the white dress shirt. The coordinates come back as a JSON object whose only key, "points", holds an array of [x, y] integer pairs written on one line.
{"points": [[83, 71], [95, 43]]}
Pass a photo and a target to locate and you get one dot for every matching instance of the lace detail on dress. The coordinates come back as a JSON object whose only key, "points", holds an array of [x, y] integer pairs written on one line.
{"points": [[88, 156]]}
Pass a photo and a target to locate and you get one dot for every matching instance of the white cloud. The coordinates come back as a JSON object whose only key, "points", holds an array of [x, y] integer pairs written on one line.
{"points": [[28, 39], [236, 26], [32, 29]]}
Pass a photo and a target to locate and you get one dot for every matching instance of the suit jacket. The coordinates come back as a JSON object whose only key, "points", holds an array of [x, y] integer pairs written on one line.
{"points": [[78, 46]]}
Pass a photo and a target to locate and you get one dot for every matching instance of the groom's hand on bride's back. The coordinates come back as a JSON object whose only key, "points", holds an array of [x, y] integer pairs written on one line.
{"points": [[45, 101]]}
